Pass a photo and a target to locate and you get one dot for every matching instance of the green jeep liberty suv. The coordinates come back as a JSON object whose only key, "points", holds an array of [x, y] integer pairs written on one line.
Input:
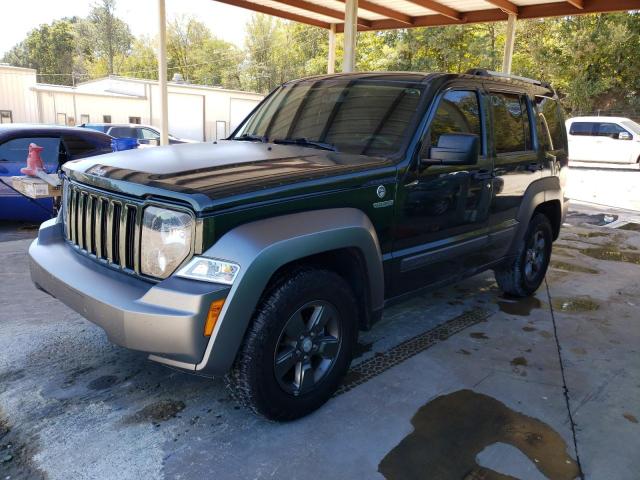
{"points": [[261, 256]]}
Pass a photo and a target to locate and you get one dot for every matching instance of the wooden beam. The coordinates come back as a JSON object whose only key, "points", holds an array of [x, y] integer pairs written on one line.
{"points": [[327, 12], [439, 8], [577, 3], [556, 9], [504, 5], [384, 11], [256, 7]]}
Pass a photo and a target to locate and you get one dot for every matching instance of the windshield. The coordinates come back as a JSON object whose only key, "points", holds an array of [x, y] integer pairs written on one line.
{"points": [[631, 125], [365, 117]]}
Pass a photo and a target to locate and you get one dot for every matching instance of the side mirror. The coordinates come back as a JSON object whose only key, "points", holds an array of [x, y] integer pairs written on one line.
{"points": [[454, 149], [624, 136]]}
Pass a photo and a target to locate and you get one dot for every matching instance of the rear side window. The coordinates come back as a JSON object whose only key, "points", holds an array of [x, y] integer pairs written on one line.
{"points": [[551, 115], [458, 112], [77, 146], [582, 129], [511, 125], [123, 132]]}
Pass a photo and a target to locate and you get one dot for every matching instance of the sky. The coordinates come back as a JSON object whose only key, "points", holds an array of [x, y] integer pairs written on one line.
{"points": [[225, 21]]}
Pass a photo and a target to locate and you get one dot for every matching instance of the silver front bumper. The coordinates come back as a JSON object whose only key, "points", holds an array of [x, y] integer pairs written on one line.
{"points": [[164, 319]]}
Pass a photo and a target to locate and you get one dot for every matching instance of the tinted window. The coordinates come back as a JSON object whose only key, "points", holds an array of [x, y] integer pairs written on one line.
{"points": [[609, 130], [510, 123], [550, 110], [77, 146], [123, 132], [17, 150], [458, 112], [582, 129], [356, 116]]}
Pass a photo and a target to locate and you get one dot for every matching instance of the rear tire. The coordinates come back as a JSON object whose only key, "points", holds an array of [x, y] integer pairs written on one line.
{"points": [[298, 346], [524, 274]]}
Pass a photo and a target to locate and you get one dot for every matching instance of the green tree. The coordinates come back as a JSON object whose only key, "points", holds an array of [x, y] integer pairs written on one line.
{"points": [[50, 50], [200, 57], [105, 36]]}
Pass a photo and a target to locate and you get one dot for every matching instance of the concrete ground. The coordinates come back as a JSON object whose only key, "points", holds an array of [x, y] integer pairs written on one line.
{"points": [[458, 383]]}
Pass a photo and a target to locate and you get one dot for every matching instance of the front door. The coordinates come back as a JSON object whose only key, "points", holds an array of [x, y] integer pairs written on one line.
{"points": [[609, 147], [442, 210]]}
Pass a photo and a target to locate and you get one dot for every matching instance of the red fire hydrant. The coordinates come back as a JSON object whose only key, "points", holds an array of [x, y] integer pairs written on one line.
{"points": [[34, 161]]}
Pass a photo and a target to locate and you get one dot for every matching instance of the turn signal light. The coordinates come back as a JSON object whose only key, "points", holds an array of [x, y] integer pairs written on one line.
{"points": [[212, 317]]}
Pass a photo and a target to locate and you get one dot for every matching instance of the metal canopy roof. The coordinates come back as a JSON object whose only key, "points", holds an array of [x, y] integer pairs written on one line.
{"points": [[387, 14]]}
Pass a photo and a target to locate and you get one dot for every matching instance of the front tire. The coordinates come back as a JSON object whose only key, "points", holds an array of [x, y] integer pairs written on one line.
{"points": [[524, 274], [298, 346]]}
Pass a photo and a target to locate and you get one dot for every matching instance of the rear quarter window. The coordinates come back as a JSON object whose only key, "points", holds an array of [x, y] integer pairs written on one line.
{"points": [[549, 109]]}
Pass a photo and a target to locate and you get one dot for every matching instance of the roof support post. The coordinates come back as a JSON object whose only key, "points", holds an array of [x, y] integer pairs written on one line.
{"points": [[509, 43], [350, 33], [162, 73], [331, 57]]}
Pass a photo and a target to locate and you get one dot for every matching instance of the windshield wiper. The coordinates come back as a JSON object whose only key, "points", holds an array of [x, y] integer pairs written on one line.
{"points": [[249, 137], [305, 142]]}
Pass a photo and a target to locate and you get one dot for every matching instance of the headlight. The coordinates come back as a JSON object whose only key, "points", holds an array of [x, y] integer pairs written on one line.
{"points": [[166, 240], [210, 270]]}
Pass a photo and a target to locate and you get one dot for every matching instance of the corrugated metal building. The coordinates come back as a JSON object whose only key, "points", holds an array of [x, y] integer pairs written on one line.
{"points": [[195, 111]]}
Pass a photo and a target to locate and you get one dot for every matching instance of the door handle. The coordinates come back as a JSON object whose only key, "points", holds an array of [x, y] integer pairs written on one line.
{"points": [[534, 167]]}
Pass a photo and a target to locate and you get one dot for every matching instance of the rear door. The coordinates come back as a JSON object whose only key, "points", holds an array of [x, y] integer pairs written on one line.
{"points": [[516, 163], [582, 141]]}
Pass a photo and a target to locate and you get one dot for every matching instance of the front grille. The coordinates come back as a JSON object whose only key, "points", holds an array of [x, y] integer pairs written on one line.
{"points": [[103, 226]]}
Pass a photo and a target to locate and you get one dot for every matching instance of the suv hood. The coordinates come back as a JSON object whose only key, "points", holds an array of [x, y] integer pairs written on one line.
{"points": [[217, 171]]}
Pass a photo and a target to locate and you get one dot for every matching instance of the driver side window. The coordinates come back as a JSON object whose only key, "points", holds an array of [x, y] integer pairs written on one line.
{"points": [[458, 112]]}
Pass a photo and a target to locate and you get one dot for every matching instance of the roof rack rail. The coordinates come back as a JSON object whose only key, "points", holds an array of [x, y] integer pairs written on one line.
{"points": [[483, 72]]}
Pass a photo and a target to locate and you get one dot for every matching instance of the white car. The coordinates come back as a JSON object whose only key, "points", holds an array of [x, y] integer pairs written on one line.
{"points": [[603, 139]]}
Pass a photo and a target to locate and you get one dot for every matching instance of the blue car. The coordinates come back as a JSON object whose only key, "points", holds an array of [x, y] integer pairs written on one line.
{"points": [[60, 145]]}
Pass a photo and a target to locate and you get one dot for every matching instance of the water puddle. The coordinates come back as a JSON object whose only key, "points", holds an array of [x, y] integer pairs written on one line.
{"points": [[519, 362], [575, 304], [593, 234], [520, 306], [630, 417], [479, 335], [102, 383], [570, 267], [160, 411], [451, 430], [612, 254], [632, 227], [599, 219]]}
